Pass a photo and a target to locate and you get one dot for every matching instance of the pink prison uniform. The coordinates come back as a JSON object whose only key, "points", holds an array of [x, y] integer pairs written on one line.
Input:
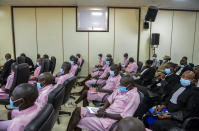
{"points": [[43, 95], [124, 104], [126, 62], [111, 84], [132, 68], [89, 83], [21, 120], [8, 86], [97, 72], [101, 62], [73, 69], [62, 79], [80, 61], [36, 72]]}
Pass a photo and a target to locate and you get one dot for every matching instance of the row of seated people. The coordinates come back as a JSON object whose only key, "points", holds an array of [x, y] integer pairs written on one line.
{"points": [[121, 98], [27, 100]]}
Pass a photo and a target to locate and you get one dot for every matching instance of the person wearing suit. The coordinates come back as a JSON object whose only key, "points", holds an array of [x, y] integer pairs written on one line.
{"points": [[28, 61], [161, 68], [146, 76], [183, 66], [6, 69]]}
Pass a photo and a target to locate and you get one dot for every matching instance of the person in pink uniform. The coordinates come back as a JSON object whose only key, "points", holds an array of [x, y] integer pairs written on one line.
{"points": [[101, 63], [25, 110], [74, 66], [126, 61], [122, 103], [79, 59], [98, 95], [45, 86], [65, 70], [6, 88], [37, 70], [132, 67], [129, 124]]}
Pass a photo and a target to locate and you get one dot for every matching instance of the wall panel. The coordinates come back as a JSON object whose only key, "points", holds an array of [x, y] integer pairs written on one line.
{"points": [[196, 46], [49, 33]]}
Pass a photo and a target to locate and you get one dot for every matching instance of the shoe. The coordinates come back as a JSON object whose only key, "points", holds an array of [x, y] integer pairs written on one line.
{"points": [[71, 105]]}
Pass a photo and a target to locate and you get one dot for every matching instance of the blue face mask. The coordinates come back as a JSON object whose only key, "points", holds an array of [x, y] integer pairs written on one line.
{"points": [[122, 89], [107, 63], [163, 61], [12, 105], [167, 70], [182, 66], [184, 82], [37, 63], [72, 62], [112, 73], [39, 86], [61, 71], [153, 58]]}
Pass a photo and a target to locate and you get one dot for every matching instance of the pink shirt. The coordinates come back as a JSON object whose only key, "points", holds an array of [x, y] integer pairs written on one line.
{"points": [[80, 61], [126, 62], [132, 68], [62, 79], [9, 80], [112, 83], [36, 72], [124, 104], [106, 71], [21, 120], [43, 95], [102, 62], [73, 69]]}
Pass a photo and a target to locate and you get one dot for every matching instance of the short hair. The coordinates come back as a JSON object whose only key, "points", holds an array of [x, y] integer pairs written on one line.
{"points": [[13, 66], [20, 60], [45, 56], [38, 56], [125, 54], [115, 66], [67, 65], [27, 91], [171, 64], [78, 55], [23, 54], [184, 57], [128, 79], [48, 77], [150, 62], [109, 55], [100, 55], [154, 55], [8, 55], [131, 59]]}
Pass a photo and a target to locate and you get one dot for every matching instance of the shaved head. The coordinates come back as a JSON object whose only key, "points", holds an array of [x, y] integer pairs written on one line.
{"points": [[46, 78]]}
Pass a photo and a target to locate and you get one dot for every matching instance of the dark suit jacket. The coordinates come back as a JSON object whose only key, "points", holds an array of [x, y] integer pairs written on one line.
{"points": [[186, 68], [29, 62], [147, 77], [6, 70]]}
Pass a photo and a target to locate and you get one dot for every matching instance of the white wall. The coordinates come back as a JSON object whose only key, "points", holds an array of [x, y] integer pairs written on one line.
{"points": [[6, 45]]}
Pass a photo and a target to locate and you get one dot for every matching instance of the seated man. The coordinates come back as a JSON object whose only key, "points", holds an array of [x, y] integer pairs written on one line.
{"points": [[8, 84], [183, 66], [132, 67], [181, 104], [37, 70], [99, 93], [161, 68], [126, 61], [131, 124], [146, 76], [74, 66], [122, 103], [65, 73], [28, 61], [25, 110], [79, 61], [45, 86], [5, 72], [156, 63]]}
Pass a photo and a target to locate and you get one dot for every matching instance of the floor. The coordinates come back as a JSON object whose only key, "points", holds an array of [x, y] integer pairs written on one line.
{"points": [[64, 119]]}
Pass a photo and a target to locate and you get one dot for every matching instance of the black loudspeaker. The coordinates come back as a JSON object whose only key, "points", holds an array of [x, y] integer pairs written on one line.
{"points": [[155, 38], [146, 25], [151, 14]]}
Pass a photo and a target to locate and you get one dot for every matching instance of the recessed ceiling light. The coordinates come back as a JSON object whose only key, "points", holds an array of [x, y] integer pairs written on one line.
{"points": [[97, 13]]}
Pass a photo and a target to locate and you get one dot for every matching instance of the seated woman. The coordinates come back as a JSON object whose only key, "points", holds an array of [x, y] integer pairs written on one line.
{"points": [[122, 103], [25, 110], [126, 61], [5, 89], [132, 67], [99, 93], [45, 86], [73, 62], [37, 70], [79, 59], [65, 71], [101, 63], [181, 104]]}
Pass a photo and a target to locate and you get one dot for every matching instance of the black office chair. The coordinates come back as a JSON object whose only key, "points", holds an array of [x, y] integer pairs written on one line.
{"points": [[53, 64], [191, 124], [135, 114], [55, 98], [77, 71], [21, 75], [45, 67], [43, 121], [82, 63], [20, 60], [140, 64], [68, 85]]}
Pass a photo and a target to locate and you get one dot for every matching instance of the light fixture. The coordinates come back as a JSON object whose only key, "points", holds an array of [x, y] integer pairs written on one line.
{"points": [[97, 13]]}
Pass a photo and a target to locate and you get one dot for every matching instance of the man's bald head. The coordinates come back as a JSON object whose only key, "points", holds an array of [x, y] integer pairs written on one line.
{"points": [[127, 80], [46, 78], [130, 124]]}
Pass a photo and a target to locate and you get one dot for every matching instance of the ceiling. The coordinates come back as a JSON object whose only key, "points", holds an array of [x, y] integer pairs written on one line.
{"points": [[175, 4]]}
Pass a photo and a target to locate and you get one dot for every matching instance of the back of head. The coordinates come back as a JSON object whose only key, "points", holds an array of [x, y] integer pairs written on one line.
{"points": [[45, 56], [26, 91], [100, 55], [23, 54], [109, 55], [78, 55], [131, 59], [13, 66], [130, 124], [66, 66], [20, 60], [127, 79], [47, 78], [149, 62], [8, 56]]}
